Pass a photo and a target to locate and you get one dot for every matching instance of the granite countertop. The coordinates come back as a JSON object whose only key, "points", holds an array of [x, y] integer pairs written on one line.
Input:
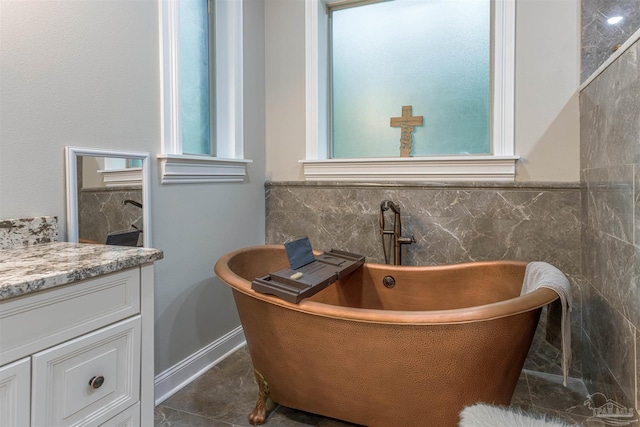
{"points": [[33, 268]]}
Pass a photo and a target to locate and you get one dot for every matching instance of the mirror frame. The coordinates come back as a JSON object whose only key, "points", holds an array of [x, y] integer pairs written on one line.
{"points": [[71, 155]]}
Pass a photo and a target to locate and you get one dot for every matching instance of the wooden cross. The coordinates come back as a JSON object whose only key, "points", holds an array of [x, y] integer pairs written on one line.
{"points": [[406, 124]]}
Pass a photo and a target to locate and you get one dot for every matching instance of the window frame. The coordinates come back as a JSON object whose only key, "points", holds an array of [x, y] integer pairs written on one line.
{"points": [[228, 165], [500, 165]]}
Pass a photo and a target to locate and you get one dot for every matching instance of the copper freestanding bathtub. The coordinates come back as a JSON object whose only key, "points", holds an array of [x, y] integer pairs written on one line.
{"points": [[413, 355]]}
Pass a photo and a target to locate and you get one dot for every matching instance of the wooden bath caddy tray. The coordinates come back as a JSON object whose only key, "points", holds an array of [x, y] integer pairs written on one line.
{"points": [[294, 285]]}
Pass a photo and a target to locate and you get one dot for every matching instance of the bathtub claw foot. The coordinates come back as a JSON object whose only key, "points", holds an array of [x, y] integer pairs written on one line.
{"points": [[259, 413]]}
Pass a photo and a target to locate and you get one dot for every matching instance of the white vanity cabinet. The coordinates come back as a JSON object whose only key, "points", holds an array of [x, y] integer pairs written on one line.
{"points": [[79, 354], [15, 380]]}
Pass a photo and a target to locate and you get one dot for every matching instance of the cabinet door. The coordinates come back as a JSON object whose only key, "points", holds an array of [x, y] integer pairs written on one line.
{"points": [[86, 381], [15, 379]]}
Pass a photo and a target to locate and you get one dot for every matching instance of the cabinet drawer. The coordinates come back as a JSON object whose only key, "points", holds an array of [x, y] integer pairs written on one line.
{"points": [[15, 381], [38, 321], [62, 391], [128, 418]]}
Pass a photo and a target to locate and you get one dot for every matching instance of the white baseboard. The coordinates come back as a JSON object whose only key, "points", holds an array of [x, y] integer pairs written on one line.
{"points": [[181, 374]]}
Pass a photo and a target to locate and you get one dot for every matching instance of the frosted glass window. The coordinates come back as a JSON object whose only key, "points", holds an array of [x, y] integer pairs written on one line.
{"points": [[431, 54], [195, 84]]}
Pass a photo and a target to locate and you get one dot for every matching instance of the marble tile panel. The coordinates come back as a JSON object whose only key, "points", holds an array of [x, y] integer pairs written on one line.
{"points": [[588, 256], [636, 204], [598, 37], [610, 206], [617, 77], [551, 206], [548, 392], [28, 231], [101, 211], [586, 100], [594, 92], [557, 244], [305, 199], [610, 130], [542, 356], [637, 350], [578, 286], [614, 337], [593, 128], [616, 274], [356, 233], [614, 266], [521, 204], [282, 226], [451, 203], [599, 379], [626, 70], [439, 240], [623, 116], [521, 395], [629, 296], [422, 200]]}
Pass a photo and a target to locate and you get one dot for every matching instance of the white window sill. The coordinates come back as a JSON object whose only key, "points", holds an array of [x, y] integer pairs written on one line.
{"points": [[436, 168], [186, 169], [114, 178]]}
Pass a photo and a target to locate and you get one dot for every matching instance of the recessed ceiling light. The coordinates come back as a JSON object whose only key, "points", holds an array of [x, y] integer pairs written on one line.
{"points": [[614, 20]]}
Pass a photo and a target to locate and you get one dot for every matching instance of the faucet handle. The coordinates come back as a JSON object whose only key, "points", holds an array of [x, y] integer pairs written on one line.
{"points": [[406, 240]]}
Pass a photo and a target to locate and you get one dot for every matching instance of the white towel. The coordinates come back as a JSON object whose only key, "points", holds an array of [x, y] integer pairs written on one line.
{"points": [[544, 275]]}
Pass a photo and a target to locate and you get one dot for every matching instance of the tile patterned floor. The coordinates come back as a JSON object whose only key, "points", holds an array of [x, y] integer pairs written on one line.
{"points": [[224, 396]]}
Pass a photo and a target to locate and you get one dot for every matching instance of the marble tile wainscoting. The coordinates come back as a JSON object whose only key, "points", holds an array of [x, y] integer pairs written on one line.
{"points": [[452, 223], [610, 175]]}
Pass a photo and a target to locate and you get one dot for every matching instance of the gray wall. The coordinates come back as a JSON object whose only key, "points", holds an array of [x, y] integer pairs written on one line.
{"points": [[87, 73], [452, 223], [599, 39], [610, 168]]}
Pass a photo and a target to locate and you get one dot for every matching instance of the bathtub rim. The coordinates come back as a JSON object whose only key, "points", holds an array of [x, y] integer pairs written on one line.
{"points": [[514, 306]]}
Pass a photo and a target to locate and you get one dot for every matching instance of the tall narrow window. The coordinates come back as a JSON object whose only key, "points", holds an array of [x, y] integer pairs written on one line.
{"points": [[196, 82], [202, 86], [434, 55]]}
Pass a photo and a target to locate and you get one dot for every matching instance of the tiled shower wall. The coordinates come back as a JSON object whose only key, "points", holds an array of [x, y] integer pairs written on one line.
{"points": [[451, 224], [600, 38], [610, 173]]}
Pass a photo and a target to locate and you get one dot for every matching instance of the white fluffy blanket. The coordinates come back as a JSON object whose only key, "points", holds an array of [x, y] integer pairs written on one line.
{"points": [[483, 415]]}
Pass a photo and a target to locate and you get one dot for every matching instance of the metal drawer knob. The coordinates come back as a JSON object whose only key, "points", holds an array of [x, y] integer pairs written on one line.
{"points": [[96, 381]]}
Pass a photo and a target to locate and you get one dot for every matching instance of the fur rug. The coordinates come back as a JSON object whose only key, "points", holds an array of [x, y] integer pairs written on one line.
{"points": [[483, 415]]}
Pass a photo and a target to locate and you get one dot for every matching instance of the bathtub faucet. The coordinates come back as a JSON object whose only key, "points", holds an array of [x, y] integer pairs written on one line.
{"points": [[132, 202], [394, 233]]}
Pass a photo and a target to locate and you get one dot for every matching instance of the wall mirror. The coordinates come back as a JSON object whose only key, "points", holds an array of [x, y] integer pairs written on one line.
{"points": [[108, 197]]}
